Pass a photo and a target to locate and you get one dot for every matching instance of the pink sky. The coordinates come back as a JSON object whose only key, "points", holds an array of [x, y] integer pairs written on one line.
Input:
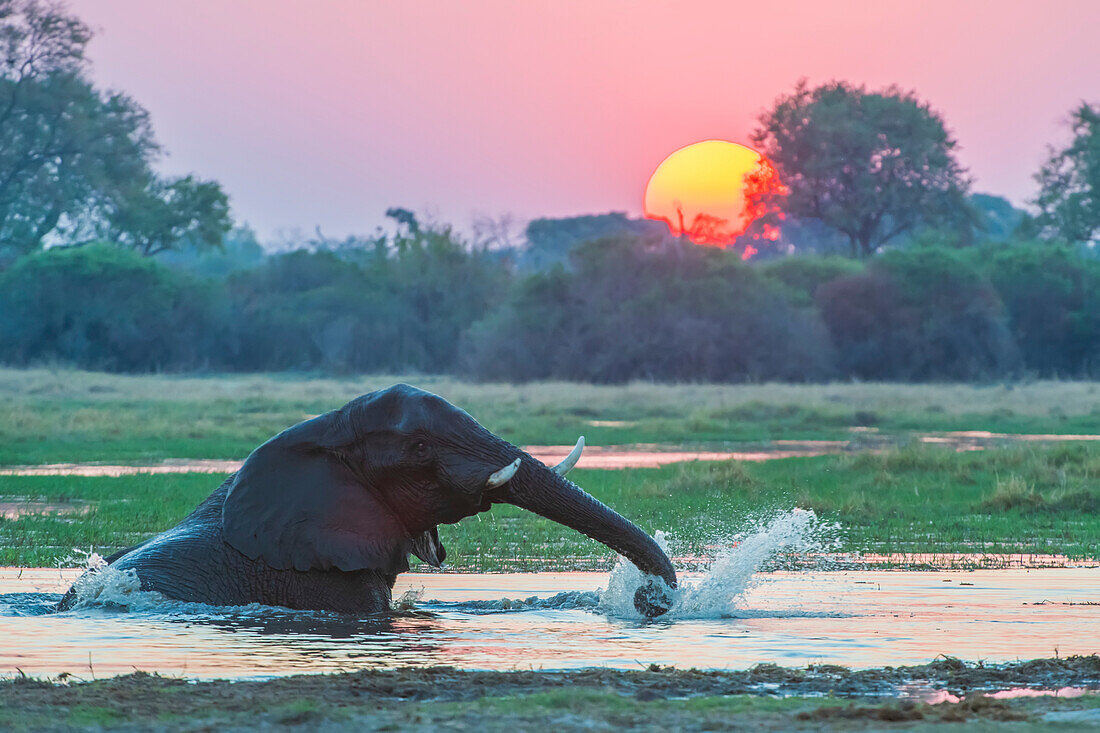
{"points": [[326, 112]]}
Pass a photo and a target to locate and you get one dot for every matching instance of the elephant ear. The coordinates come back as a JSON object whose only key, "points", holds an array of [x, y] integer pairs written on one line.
{"points": [[294, 504]]}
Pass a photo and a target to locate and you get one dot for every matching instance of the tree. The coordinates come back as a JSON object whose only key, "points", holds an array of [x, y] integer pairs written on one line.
{"points": [[162, 215], [64, 145], [1069, 195], [74, 160], [871, 165], [404, 218]]}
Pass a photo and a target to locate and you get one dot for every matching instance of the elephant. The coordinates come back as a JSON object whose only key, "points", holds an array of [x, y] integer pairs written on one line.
{"points": [[324, 515]]}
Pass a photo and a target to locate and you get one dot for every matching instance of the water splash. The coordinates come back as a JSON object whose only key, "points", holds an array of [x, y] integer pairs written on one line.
{"points": [[85, 559], [720, 591], [717, 591], [408, 600], [113, 588], [105, 586]]}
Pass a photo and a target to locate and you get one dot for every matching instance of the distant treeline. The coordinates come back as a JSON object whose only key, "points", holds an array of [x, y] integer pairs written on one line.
{"points": [[620, 308]]}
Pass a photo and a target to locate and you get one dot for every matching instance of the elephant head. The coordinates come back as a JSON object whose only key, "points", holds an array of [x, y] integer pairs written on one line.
{"points": [[364, 486]]}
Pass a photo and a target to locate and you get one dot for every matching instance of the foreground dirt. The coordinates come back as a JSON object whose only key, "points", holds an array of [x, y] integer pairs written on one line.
{"points": [[765, 696]]}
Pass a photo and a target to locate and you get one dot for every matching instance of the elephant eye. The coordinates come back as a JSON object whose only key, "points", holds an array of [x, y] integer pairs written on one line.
{"points": [[419, 448]]}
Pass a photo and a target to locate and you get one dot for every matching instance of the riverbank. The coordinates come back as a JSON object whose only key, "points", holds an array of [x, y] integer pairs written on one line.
{"points": [[765, 696]]}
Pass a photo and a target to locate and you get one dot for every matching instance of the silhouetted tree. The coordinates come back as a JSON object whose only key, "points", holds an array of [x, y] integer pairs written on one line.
{"points": [[871, 165], [1069, 196], [500, 233], [239, 250], [1052, 294], [404, 218], [998, 219]]}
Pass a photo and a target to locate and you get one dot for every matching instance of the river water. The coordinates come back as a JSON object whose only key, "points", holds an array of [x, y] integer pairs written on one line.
{"points": [[727, 617]]}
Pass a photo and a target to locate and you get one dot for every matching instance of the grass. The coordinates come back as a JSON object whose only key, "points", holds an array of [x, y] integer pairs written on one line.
{"points": [[1029, 499], [72, 416], [122, 512]]}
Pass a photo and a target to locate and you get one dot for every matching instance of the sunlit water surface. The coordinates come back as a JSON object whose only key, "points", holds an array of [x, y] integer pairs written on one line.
{"points": [[859, 619], [727, 616]]}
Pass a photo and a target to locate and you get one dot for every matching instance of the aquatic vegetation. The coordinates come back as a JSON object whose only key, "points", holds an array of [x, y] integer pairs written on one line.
{"points": [[921, 499]]}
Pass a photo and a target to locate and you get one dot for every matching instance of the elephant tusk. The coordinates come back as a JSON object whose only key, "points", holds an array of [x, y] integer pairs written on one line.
{"points": [[570, 460], [504, 475]]}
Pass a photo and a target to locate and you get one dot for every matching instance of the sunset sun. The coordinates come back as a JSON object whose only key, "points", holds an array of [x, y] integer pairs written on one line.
{"points": [[709, 191]]}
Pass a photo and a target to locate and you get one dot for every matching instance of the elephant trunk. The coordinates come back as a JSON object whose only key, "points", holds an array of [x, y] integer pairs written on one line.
{"points": [[542, 491]]}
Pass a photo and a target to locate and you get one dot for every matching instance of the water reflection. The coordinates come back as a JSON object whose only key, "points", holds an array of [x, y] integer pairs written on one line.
{"points": [[16, 507], [1017, 692], [936, 696], [859, 619]]}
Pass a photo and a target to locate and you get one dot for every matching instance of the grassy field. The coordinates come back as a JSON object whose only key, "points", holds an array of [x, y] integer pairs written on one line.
{"points": [[920, 499], [70, 416], [1030, 498]]}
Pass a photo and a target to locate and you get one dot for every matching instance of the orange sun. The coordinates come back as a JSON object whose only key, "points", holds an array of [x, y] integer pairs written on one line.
{"points": [[711, 192]]}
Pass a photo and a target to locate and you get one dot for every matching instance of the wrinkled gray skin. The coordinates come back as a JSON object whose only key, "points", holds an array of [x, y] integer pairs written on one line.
{"points": [[324, 515]]}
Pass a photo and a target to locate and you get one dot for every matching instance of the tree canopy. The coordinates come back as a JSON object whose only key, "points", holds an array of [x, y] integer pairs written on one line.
{"points": [[75, 161], [871, 165]]}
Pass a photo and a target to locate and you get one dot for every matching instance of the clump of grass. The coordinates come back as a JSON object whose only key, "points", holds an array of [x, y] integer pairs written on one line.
{"points": [[1073, 501], [1016, 494], [716, 476], [1012, 493]]}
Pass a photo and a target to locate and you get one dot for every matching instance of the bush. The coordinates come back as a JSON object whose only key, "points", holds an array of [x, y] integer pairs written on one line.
{"points": [[399, 309], [804, 275], [918, 314], [102, 307], [1052, 294], [626, 307], [633, 308]]}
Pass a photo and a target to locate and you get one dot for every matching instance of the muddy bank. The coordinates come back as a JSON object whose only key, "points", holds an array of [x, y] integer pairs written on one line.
{"points": [[588, 699]]}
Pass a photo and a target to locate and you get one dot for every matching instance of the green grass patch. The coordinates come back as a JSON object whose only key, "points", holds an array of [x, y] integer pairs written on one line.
{"points": [[120, 512], [1030, 499]]}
